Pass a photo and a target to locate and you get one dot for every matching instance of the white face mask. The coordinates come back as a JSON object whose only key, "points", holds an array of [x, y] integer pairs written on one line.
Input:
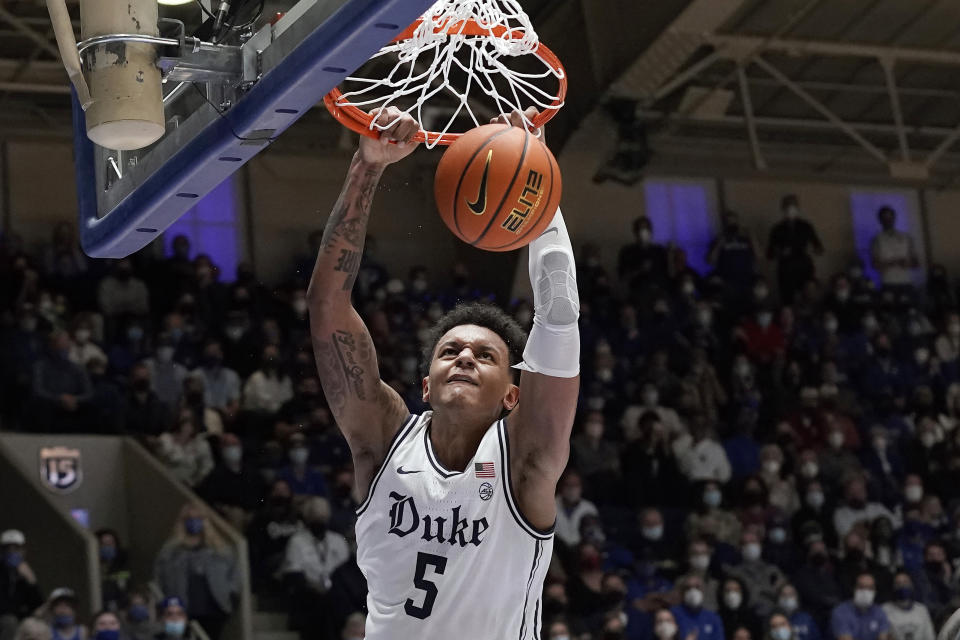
{"points": [[693, 598], [788, 604], [772, 467], [653, 533], [732, 599], [82, 335], [232, 454], [645, 235], [299, 455], [700, 562], [809, 469], [831, 326], [863, 598], [778, 535], [300, 306], [751, 551], [835, 439], [913, 493], [665, 630], [928, 440], [815, 499], [712, 498], [164, 354]]}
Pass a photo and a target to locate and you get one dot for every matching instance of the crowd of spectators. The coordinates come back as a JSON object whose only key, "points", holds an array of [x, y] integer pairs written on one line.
{"points": [[754, 457]]}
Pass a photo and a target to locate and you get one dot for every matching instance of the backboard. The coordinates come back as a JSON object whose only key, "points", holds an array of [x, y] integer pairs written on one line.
{"points": [[223, 105]]}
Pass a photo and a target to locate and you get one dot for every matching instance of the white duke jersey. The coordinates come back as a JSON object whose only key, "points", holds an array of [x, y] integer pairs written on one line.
{"points": [[448, 554]]}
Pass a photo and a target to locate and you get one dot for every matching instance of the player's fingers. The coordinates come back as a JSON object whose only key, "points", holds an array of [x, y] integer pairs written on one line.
{"points": [[531, 113], [408, 129]]}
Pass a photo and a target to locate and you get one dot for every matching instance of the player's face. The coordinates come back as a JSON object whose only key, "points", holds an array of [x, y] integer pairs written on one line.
{"points": [[471, 368]]}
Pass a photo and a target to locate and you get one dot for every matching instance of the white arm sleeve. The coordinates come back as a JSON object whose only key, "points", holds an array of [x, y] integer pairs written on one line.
{"points": [[553, 347]]}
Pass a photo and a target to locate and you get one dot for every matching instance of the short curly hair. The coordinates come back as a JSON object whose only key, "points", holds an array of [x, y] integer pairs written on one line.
{"points": [[483, 315]]}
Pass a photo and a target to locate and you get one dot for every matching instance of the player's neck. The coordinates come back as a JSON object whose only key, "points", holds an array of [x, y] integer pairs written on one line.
{"points": [[455, 438]]}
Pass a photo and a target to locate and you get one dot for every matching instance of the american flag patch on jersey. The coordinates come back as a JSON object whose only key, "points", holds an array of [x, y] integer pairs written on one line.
{"points": [[484, 469]]}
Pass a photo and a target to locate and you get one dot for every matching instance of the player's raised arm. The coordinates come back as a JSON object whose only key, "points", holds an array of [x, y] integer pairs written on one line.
{"points": [[366, 409], [540, 426]]}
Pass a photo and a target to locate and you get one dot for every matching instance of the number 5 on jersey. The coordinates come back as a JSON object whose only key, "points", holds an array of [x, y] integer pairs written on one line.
{"points": [[439, 563]]}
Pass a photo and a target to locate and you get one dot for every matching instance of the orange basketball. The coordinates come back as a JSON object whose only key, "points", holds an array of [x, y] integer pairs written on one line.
{"points": [[497, 187]]}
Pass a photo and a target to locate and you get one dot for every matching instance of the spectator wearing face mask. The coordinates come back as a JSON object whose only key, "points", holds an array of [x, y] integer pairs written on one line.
{"points": [[166, 374], [558, 630], [174, 623], [935, 583], [83, 348], [792, 243], [857, 560], [699, 560], [19, 594], [221, 383], [780, 549], [61, 389], [196, 563], [692, 617], [571, 508], [857, 509], [269, 387], [760, 578], [780, 487], [207, 419], [185, 453], [632, 622], [817, 584], [302, 478], [654, 545], [312, 556], [802, 623], [649, 401], [909, 619], [144, 414], [709, 520], [642, 265], [596, 458], [139, 620], [837, 460], [665, 627], [114, 572], [704, 458], [650, 470], [884, 466], [62, 612], [233, 488], [860, 618], [122, 293], [106, 626], [733, 254], [762, 339], [893, 255], [733, 608], [779, 628]]}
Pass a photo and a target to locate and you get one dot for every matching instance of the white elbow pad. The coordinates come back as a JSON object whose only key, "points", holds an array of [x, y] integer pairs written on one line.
{"points": [[553, 347]]}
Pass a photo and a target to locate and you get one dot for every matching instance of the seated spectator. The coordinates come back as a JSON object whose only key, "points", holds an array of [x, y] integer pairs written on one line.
{"points": [[121, 293], [114, 572], [665, 627], [763, 340], [780, 549], [175, 625], [633, 621], [269, 532], [596, 457], [883, 466], [857, 560], [856, 509], [705, 458], [571, 508], [585, 580], [233, 488], [741, 447], [19, 595], [779, 628], [780, 486], [761, 579], [698, 563], [302, 478], [651, 475], [654, 546], [61, 388], [83, 349], [803, 625], [33, 629], [734, 610], [62, 610], [186, 454], [166, 374], [816, 510], [145, 415], [207, 419], [105, 626], [860, 618], [221, 384], [557, 630], [650, 401], [196, 562], [312, 556], [692, 617], [817, 583], [936, 587], [140, 623], [710, 520], [269, 387], [837, 461], [909, 619]]}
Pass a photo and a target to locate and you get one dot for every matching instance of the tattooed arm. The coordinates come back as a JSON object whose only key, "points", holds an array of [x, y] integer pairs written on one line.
{"points": [[367, 410]]}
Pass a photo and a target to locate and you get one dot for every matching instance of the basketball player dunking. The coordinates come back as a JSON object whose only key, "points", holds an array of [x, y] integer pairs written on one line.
{"points": [[455, 527]]}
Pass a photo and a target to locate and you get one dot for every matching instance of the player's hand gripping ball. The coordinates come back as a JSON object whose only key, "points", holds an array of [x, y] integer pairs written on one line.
{"points": [[498, 186]]}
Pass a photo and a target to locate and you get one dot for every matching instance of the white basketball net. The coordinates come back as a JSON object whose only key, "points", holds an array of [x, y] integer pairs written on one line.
{"points": [[417, 77]]}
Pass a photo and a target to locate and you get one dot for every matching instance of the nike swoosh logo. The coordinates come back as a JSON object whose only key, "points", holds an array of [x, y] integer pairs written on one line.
{"points": [[550, 230], [480, 206], [402, 472]]}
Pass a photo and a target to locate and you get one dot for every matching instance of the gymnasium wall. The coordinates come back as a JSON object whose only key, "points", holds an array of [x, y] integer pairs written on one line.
{"points": [[291, 195]]}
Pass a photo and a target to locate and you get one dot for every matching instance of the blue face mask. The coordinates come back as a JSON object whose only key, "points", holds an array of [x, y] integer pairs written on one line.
{"points": [[780, 633], [13, 559], [193, 526], [175, 628], [107, 554], [112, 634], [64, 620], [138, 613]]}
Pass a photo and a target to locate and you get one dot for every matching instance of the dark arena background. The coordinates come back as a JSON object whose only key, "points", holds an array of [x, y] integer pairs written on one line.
{"points": [[763, 199]]}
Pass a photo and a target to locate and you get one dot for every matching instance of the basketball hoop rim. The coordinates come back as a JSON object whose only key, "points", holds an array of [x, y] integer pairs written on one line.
{"points": [[360, 122]]}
